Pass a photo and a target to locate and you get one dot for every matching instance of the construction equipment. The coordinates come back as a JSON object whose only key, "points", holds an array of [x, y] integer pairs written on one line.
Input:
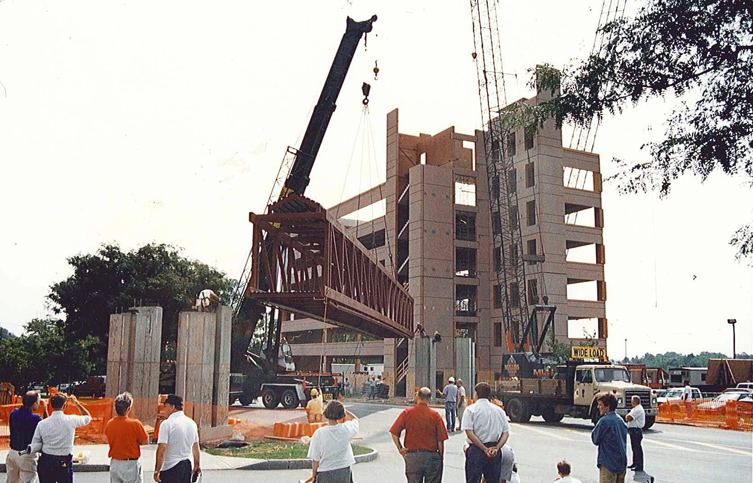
{"points": [[266, 372], [499, 141]]}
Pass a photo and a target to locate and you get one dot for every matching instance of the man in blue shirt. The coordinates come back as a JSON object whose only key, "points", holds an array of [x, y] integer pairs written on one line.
{"points": [[610, 435], [450, 393], [22, 423]]}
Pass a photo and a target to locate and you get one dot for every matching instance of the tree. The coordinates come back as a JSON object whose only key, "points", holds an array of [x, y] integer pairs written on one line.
{"points": [[699, 50], [43, 355], [111, 280]]}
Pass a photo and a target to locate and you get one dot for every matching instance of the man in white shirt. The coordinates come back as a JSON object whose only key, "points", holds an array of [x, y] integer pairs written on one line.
{"points": [[54, 438], [177, 443], [563, 469], [687, 398], [487, 430], [636, 419], [462, 403]]}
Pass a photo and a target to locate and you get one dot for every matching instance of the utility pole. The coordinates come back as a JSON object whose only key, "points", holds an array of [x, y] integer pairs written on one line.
{"points": [[733, 322], [626, 349]]}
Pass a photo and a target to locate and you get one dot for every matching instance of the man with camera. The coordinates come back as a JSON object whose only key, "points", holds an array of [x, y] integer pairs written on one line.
{"points": [[21, 466], [54, 438]]}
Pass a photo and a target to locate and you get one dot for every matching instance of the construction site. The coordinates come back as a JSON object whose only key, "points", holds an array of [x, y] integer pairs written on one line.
{"points": [[476, 256]]}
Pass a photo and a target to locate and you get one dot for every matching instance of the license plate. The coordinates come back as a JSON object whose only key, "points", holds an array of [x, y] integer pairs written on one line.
{"points": [[327, 397]]}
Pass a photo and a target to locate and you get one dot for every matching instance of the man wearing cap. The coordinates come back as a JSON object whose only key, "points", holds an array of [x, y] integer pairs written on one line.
{"points": [[54, 437], [450, 393], [177, 445], [423, 445], [19, 464]]}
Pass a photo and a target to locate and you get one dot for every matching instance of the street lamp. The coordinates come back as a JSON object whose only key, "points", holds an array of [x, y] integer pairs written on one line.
{"points": [[733, 322], [626, 349]]}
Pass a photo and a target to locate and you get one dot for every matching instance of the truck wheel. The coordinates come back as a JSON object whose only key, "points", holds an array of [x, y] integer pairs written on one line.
{"points": [[650, 420], [246, 400], [518, 411], [269, 399], [551, 417], [289, 399]]}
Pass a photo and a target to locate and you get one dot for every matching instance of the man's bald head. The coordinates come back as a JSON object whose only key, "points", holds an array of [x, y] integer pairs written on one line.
{"points": [[424, 394]]}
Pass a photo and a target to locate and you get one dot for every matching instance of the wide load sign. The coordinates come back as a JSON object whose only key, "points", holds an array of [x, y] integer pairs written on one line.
{"points": [[581, 352]]}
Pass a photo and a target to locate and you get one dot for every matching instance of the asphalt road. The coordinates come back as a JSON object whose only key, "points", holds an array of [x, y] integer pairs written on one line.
{"points": [[678, 454]]}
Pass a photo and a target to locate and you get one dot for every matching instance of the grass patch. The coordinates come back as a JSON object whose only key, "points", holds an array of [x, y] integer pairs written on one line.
{"points": [[274, 450]]}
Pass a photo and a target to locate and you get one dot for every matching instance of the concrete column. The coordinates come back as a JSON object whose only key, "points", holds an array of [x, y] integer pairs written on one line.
{"points": [[221, 383], [203, 369], [195, 364], [133, 359]]}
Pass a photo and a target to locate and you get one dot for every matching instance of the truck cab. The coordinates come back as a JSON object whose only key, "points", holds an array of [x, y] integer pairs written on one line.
{"points": [[593, 379]]}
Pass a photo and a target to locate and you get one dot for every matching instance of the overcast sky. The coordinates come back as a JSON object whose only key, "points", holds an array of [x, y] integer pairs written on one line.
{"points": [[136, 122]]}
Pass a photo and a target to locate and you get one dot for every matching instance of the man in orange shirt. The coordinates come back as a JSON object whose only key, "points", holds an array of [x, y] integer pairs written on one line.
{"points": [[124, 435], [423, 445]]}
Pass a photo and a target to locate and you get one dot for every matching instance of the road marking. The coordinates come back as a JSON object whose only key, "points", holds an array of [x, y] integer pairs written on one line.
{"points": [[723, 448], [546, 433], [669, 445]]}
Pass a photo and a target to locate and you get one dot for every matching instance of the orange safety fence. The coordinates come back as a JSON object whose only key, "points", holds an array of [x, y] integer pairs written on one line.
{"points": [[707, 412]]}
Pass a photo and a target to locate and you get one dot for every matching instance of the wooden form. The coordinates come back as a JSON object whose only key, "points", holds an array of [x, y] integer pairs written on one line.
{"points": [[133, 359], [306, 261]]}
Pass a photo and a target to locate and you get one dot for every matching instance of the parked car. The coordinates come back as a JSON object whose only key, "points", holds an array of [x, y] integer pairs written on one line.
{"points": [[718, 404], [93, 387], [673, 396], [744, 385]]}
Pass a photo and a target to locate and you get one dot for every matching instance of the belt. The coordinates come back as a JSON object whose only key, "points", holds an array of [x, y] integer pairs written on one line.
{"points": [[422, 451], [125, 459], [56, 457], [634, 429], [491, 445]]}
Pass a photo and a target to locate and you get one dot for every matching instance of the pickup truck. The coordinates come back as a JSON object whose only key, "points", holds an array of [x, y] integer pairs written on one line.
{"points": [[571, 390], [94, 386]]}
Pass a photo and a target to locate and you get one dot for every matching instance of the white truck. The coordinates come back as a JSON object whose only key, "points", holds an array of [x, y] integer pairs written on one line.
{"points": [[571, 390]]}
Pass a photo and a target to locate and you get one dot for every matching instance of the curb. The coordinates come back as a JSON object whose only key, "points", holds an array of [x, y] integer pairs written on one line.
{"points": [[299, 464]]}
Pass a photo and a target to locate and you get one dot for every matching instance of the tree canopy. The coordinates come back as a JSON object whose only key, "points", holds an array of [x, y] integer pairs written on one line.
{"points": [[43, 355], [698, 50], [111, 280], [670, 359]]}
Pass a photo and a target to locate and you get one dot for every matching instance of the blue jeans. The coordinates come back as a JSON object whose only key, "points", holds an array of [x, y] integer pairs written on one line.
{"points": [[449, 414]]}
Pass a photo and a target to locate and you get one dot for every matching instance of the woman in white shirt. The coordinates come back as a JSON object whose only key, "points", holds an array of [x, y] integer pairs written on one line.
{"points": [[330, 451]]}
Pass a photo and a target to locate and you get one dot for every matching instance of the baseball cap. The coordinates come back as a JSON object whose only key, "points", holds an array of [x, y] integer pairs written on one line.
{"points": [[452, 379], [314, 393]]}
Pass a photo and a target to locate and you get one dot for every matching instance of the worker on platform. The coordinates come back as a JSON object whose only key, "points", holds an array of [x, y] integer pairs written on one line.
{"points": [[314, 408], [207, 300]]}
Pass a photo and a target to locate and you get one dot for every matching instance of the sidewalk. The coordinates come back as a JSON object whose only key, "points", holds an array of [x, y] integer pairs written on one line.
{"points": [[98, 460]]}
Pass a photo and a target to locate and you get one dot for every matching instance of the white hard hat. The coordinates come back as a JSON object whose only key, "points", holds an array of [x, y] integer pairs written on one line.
{"points": [[452, 379]]}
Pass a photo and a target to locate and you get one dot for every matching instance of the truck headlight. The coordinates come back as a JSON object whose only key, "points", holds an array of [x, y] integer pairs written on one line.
{"points": [[619, 401], [653, 402]]}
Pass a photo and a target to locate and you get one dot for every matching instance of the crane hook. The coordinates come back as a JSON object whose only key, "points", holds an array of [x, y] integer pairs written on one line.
{"points": [[365, 88], [376, 70]]}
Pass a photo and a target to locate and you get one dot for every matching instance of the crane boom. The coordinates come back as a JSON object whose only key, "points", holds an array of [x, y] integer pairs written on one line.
{"points": [[296, 182], [298, 179]]}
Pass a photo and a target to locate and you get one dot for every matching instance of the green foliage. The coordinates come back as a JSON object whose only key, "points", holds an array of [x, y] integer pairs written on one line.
{"points": [[673, 359], [43, 355], [5, 333], [699, 51], [111, 280]]}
